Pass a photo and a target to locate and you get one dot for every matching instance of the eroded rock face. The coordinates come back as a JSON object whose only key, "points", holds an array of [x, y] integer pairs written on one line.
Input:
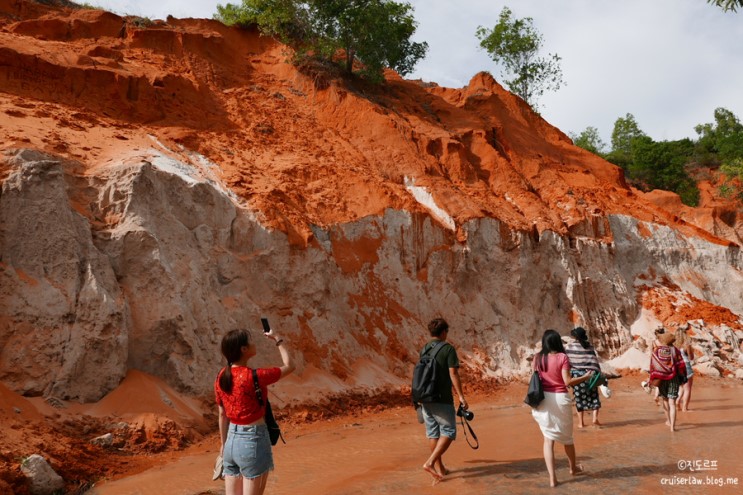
{"points": [[145, 265], [64, 318]]}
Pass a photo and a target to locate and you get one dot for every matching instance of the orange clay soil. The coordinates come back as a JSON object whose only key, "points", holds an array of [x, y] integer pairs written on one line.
{"points": [[302, 145], [382, 452]]}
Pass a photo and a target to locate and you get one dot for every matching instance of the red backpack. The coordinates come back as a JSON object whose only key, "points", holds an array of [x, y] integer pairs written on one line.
{"points": [[665, 364]]}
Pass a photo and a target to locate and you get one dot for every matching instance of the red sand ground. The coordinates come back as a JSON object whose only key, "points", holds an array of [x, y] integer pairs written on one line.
{"points": [[382, 453]]}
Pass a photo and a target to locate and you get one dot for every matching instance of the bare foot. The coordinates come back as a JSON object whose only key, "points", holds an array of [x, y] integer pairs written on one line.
{"points": [[442, 470], [430, 470], [581, 425], [668, 423], [596, 423], [553, 482], [578, 470]]}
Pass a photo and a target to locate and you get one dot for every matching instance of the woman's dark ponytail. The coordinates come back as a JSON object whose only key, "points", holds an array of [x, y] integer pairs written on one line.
{"points": [[232, 345], [580, 334]]}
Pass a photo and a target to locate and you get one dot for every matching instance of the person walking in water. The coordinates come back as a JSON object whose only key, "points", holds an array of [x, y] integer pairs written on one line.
{"points": [[683, 344], [646, 385], [667, 368], [583, 359], [554, 414], [246, 447], [440, 417]]}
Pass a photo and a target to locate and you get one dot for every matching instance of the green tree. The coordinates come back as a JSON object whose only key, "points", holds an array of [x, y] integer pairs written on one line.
{"points": [[515, 44], [589, 140], [375, 32], [722, 139], [287, 20], [625, 131], [727, 5]]}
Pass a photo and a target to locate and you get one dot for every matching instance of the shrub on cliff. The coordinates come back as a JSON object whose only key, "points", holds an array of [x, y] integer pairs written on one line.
{"points": [[375, 32], [662, 165]]}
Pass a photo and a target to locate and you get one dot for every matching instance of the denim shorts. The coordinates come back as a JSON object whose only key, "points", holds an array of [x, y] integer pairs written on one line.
{"points": [[440, 420], [247, 451]]}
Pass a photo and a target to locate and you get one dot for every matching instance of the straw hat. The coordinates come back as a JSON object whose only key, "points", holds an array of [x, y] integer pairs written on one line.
{"points": [[667, 338]]}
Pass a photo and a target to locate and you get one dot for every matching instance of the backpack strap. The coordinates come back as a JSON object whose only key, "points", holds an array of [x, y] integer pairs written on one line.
{"points": [[436, 348], [267, 408], [258, 391]]}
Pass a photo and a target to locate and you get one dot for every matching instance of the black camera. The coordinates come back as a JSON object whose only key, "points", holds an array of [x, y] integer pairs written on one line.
{"points": [[468, 415]]}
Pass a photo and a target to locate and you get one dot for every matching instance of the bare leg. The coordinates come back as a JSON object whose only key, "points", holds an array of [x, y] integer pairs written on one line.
{"points": [[549, 460], [672, 413], [233, 485], [574, 468], [439, 466], [669, 408], [255, 486], [666, 411], [682, 392], [442, 444], [687, 394], [580, 418], [655, 396], [596, 417]]}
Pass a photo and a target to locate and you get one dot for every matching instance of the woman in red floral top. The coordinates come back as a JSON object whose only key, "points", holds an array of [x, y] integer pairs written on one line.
{"points": [[246, 447]]}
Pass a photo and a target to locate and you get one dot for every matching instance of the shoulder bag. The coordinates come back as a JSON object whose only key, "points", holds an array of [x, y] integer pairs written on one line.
{"points": [[274, 432], [535, 392]]}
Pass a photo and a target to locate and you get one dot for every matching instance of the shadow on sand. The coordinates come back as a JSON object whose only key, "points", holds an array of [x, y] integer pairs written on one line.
{"points": [[490, 467], [517, 469]]}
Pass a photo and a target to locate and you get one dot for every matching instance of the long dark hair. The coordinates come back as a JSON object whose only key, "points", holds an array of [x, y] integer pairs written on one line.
{"points": [[580, 334], [232, 345], [551, 342]]}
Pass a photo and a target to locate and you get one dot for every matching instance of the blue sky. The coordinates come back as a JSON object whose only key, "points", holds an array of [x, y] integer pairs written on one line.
{"points": [[670, 63]]}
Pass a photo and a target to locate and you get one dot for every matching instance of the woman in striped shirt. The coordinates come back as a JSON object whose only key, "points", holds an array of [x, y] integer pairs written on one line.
{"points": [[583, 359]]}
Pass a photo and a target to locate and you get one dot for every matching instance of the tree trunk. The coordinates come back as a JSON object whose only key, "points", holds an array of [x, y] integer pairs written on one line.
{"points": [[350, 55]]}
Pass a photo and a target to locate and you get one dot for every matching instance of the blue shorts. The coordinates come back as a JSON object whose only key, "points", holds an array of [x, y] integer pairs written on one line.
{"points": [[440, 420], [247, 451]]}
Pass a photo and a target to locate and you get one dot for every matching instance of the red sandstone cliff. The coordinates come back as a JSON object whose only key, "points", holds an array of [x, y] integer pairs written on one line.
{"points": [[185, 139], [164, 182]]}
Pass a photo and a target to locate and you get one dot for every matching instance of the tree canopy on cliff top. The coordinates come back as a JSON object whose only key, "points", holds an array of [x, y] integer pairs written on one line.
{"points": [[515, 44], [671, 165], [375, 32]]}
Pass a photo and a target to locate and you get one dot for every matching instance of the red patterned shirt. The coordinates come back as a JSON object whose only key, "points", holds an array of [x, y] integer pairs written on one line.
{"points": [[241, 406]]}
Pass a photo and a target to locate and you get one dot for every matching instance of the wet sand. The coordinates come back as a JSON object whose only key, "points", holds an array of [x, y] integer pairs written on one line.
{"points": [[633, 453]]}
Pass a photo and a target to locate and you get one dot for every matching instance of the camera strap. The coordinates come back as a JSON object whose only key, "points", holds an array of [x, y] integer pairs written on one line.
{"points": [[468, 427]]}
